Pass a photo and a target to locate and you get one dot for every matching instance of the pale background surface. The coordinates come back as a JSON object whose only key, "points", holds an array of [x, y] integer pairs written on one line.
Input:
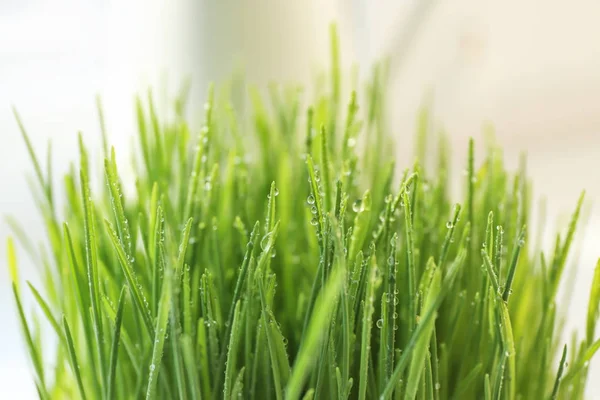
{"points": [[529, 66]]}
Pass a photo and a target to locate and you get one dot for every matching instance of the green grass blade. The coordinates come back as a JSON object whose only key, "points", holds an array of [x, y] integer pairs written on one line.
{"points": [[116, 200], [36, 164], [238, 386], [46, 309], [31, 347], [231, 363], [190, 364], [513, 264], [451, 225], [561, 367], [135, 288], [467, 382], [490, 271], [509, 351], [162, 318], [73, 358], [593, 305], [366, 326], [428, 315], [91, 260], [419, 352], [409, 262], [114, 349], [314, 334]]}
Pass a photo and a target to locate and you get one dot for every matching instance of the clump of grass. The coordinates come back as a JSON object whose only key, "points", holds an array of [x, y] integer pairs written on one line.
{"points": [[271, 257]]}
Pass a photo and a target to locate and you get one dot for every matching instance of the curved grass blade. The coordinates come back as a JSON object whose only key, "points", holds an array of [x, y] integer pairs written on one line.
{"points": [[583, 361], [559, 373], [73, 358], [593, 305], [467, 382], [47, 312]]}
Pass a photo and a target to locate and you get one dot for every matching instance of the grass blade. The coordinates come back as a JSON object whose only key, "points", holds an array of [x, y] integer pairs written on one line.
{"points": [[91, 257], [234, 340], [164, 308], [73, 358], [318, 321], [114, 349], [561, 368]]}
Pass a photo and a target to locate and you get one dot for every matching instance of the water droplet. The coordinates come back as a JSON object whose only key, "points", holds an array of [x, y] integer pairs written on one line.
{"points": [[276, 192], [313, 210], [388, 198], [449, 224], [264, 243], [521, 243], [379, 323], [356, 206], [310, 199], [507, 354], [391, 261], [314, 221], [437, 386], [273, 253], [152, 367], [351, 142]]}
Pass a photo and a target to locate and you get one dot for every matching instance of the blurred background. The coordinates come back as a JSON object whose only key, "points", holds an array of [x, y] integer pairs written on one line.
{"points": [[529, 67]]}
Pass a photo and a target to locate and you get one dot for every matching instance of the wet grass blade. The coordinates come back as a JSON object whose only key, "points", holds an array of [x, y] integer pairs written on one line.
{"points": [[419, 352], [513, 265], [91, 258], [162, 318], [138, 297], [428, 315], [366, 326]]}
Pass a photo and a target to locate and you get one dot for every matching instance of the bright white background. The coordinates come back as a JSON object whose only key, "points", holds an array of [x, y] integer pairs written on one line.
{"points": [[529, 66]]}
